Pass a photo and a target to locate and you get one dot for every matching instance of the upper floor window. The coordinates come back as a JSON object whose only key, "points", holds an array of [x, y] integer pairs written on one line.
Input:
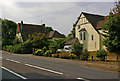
{"points": [[80, 36], [84, 36], [92, 37]]}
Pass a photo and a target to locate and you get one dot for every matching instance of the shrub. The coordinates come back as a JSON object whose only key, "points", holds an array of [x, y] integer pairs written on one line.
{"points": [[16, 48], [39, 52], [77, 49], [64, 55], [44, 49], [72, 56], [101, 54], [48, 53], [56, 55], [15, 41], [85, 55], [8, 48]]}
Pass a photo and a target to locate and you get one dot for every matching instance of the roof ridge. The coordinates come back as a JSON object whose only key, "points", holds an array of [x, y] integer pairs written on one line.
{"points": [[92, 14]]}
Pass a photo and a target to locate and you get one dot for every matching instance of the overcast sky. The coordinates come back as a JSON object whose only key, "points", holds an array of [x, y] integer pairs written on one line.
{"points": [[59, 15]]}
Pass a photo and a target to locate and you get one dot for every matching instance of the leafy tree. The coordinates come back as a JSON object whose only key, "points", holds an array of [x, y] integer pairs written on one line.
{"points": [[39, 40], [8, 31], [48, 29], [57, 44], [77, 49], [101, 54], [112, 30], [72, 34]]}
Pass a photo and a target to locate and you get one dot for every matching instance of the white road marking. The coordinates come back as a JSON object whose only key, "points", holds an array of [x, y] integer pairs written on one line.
{"points": [[7, 59], [1, 57], [44, 69], [15, 61], [14, 73], [82, 79]]}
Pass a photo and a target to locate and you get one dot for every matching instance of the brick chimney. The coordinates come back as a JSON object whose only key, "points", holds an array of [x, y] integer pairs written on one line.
{"points": [[21, 22]]}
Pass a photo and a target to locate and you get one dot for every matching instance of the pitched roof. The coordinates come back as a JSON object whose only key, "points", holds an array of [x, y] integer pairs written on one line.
{"points": [[29, 29], [55, 34], [96, 20], [102, 23], [93, 18], [72, 41]]}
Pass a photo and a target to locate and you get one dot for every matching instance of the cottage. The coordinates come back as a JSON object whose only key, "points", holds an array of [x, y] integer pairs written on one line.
{"points": [[55, 35], [24, 30], [88, 30]]}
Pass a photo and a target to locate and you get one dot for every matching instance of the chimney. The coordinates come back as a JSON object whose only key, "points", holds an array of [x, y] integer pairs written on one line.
{"points": [[43, 25], [21, 22]]}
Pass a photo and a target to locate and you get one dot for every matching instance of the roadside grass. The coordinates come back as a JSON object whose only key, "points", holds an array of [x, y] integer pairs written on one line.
{"points": [[111, 57], [108, 68]]}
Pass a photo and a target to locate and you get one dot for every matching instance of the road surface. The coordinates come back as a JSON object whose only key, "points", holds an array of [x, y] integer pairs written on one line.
{"points": [[32, 67]]}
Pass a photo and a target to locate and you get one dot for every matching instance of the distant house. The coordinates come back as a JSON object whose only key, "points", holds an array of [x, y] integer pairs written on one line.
{"points": [[24, 30], [88, 30], [75, 40], [55, 35]]}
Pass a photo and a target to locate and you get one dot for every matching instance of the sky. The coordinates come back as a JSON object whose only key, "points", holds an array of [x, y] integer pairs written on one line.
{"points": [[60, 15]]}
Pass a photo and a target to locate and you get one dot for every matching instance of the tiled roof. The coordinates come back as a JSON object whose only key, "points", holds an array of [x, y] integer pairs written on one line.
{"points": [[94, 19], [101, 23], [72, 41], [55, 34], [97, 21]]}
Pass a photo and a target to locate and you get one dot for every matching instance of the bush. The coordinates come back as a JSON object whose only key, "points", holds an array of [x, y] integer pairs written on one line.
{"points": [[72, 56], [101, 54], [77, 49], [44, 49], [16, 49], [56, 55], [39, 52], [25, 47], [48, 53], [85, 55], [64, 55], [7, 48], [15, 41]]}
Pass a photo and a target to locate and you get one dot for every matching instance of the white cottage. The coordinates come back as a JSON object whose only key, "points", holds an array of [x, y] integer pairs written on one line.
{"points": [[88, 30]]}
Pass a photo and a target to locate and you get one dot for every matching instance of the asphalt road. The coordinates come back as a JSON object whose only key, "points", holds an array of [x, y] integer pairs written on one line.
{"points": [[32, 67]]}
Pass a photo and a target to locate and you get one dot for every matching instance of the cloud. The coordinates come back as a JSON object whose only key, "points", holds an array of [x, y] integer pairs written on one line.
{"points": [[59, 15]]}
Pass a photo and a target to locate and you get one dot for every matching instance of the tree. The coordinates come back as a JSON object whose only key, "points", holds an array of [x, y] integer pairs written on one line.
{"points": [[8, 31], [112, 31], [85, 55], [77, 49], [39, 40], [72, 34], [48, 29]]}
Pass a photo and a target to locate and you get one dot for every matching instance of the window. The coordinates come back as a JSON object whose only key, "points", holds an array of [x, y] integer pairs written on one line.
{"points": [[80, 36], [78, 26], [95, 44], [92, 37], [84, 36]]}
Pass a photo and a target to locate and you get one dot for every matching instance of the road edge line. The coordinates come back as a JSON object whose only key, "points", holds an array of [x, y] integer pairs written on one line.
{"points": [[44, 69], [13, 73]]}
